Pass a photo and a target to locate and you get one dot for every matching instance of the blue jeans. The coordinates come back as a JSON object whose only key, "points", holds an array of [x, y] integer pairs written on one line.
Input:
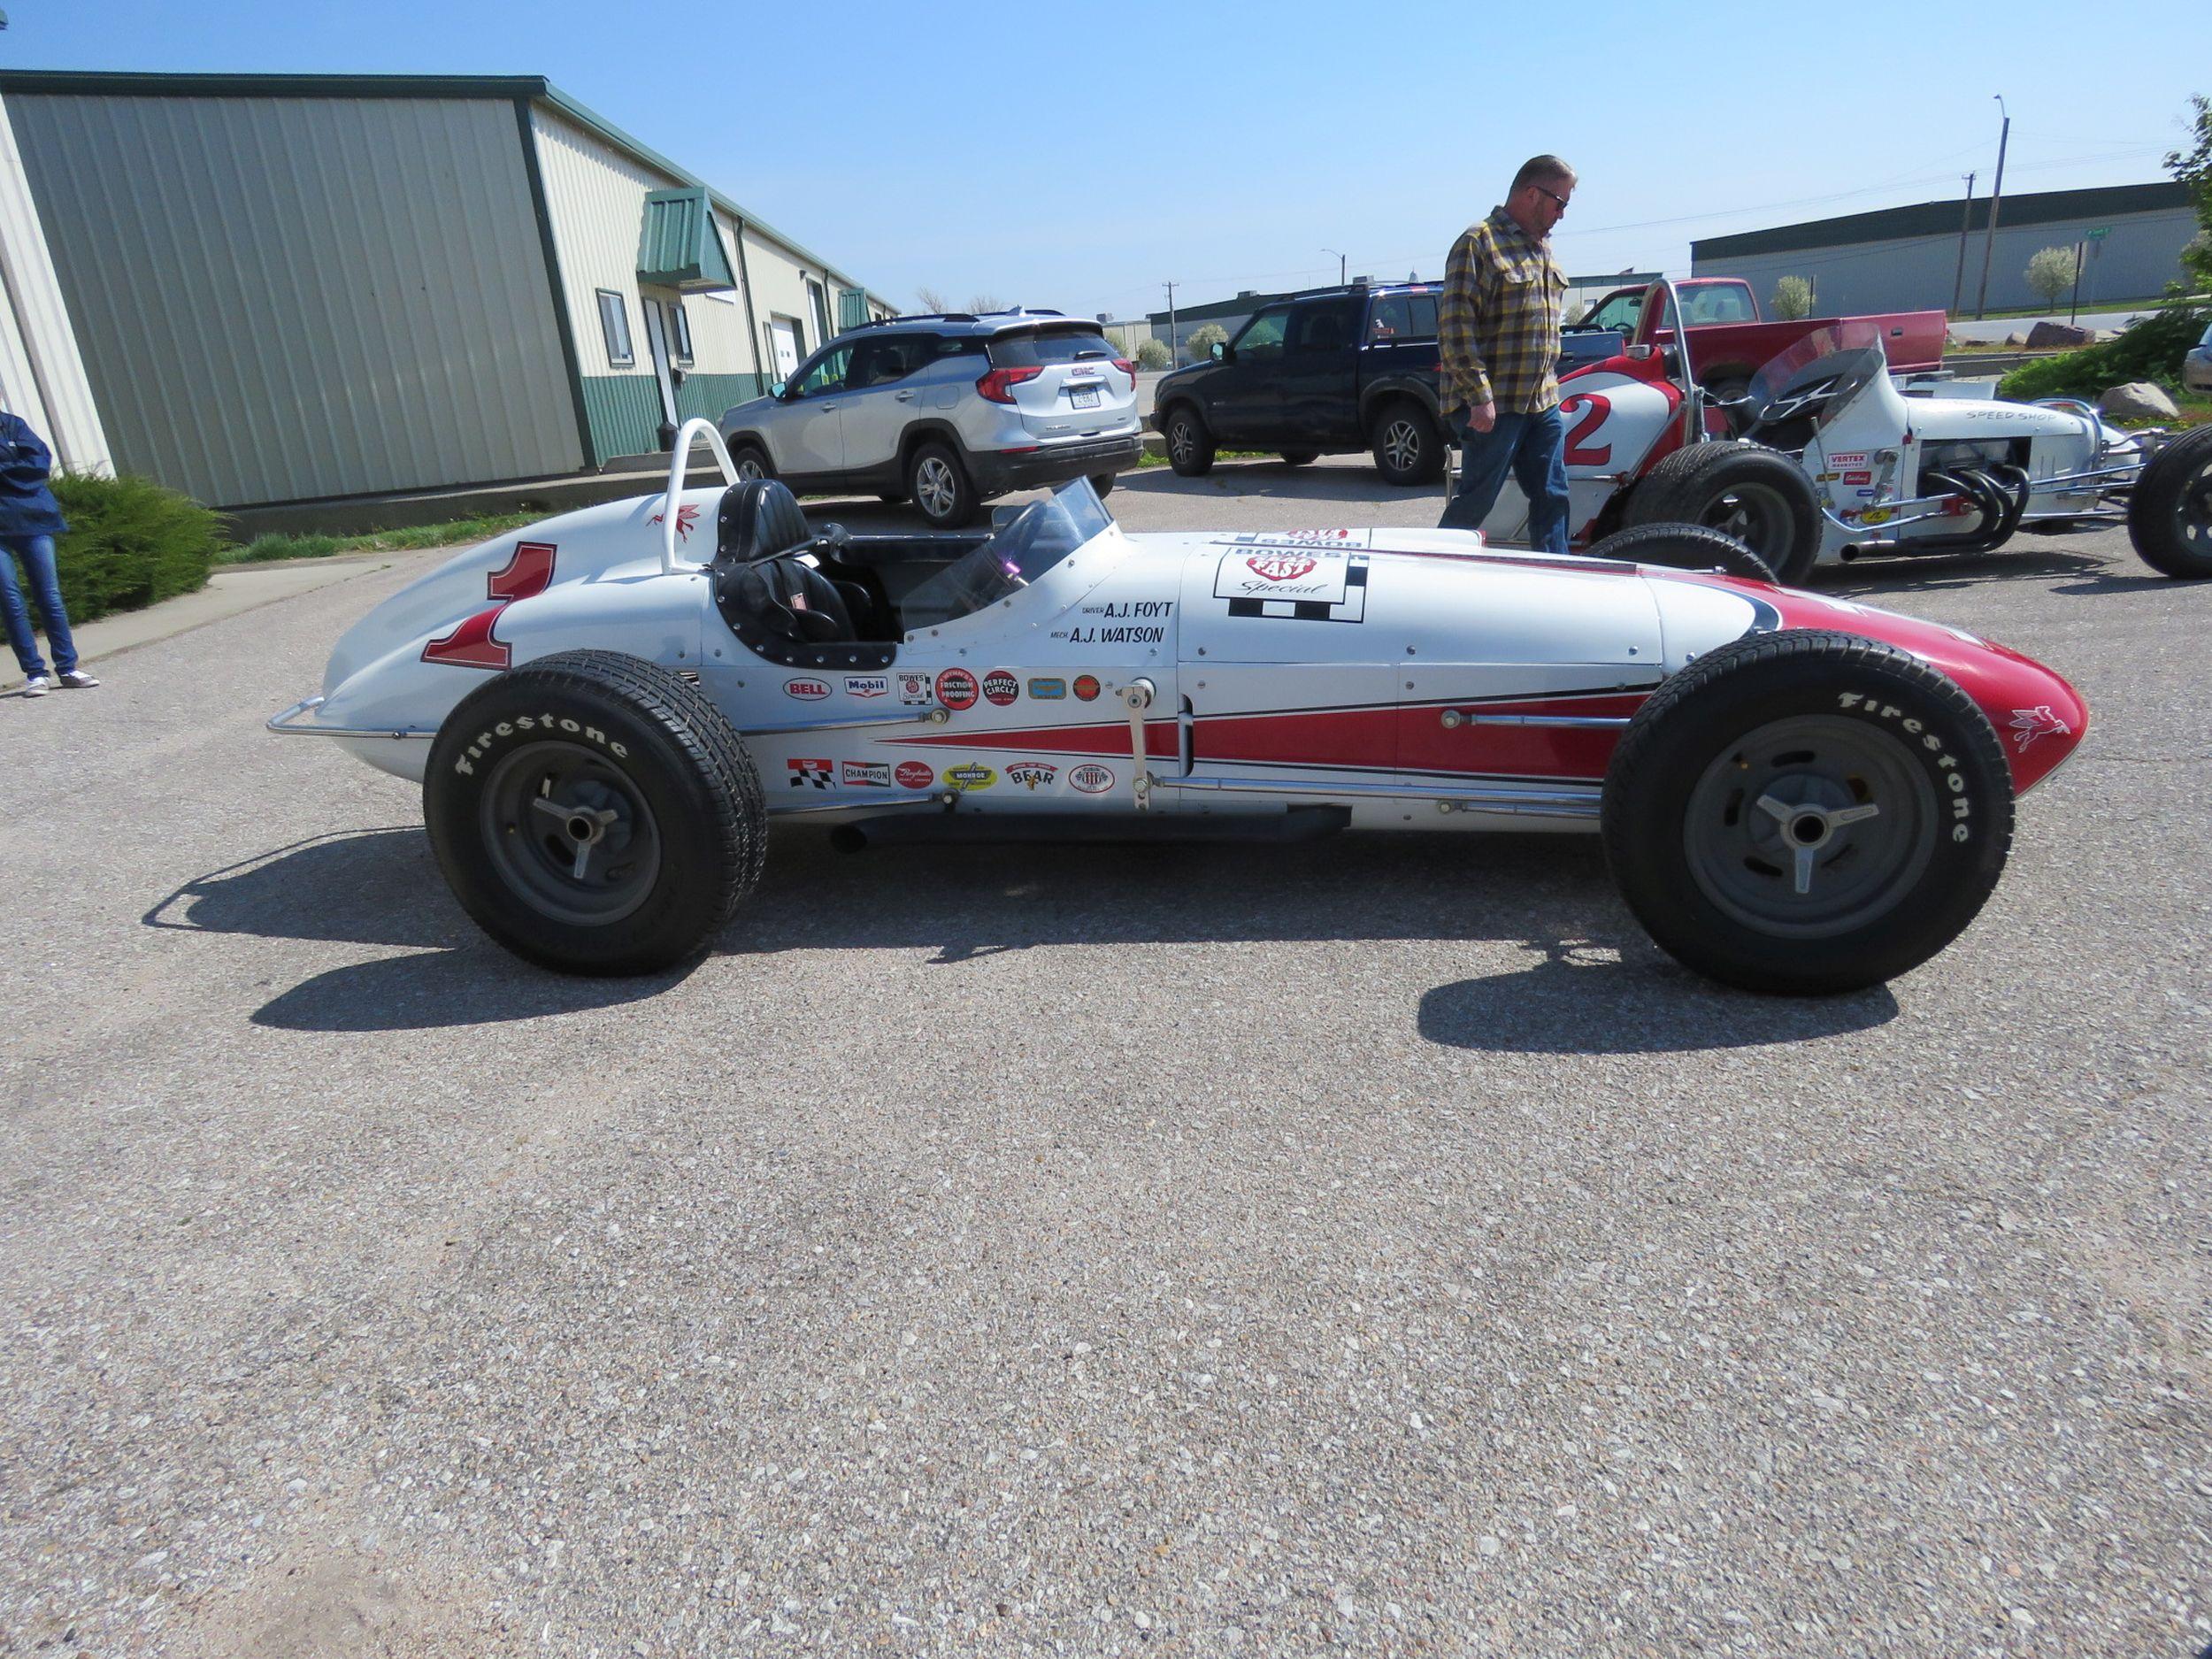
{"points": [[1534, 447], [37, 554]]}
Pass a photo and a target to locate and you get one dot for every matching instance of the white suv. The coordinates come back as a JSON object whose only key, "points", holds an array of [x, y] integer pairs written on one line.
{"points": [[947, 412]]}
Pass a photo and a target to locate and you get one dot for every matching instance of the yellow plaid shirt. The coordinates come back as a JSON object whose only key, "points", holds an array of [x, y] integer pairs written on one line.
{"points": [[1498, 319]]}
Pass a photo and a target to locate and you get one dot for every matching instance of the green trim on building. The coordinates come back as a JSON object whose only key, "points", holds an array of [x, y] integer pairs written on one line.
{"points": [[624, 409], [677, 246]]}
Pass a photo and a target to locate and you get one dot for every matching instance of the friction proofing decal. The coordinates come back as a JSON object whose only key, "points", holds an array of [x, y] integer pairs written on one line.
{"points": [[1301, 587], [956, 688]]}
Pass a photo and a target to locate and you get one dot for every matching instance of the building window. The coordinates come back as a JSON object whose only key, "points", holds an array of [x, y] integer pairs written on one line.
{"points": [[614, 322], [815, 293], [678, 334]]}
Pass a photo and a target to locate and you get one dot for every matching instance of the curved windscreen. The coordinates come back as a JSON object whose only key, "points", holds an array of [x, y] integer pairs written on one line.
{"points": [[1042, 535], [1820, 373]]}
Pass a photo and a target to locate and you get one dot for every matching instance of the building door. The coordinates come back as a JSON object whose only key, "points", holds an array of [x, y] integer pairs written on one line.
{"points": [[657, 341], [783, 346]]}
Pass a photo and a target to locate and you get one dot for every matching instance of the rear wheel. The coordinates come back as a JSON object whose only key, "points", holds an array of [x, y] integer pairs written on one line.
{"points": [[1299, 457], [1683, 547], [1408, 447], [750, 461], [941, 487], [1190, 447], [594, 813], [1807, 813], [1760, 496], [2169, 510], [1102, 483]]}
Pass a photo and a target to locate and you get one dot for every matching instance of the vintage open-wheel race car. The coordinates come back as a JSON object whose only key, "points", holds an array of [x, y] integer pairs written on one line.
{"points": [[606, 710]]}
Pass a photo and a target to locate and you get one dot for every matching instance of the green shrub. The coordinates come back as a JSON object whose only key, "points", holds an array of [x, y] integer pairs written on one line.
{"points": [[2052, 270], [1203, 341], [2150, 350], [1793, 297], [1152, 354], [130, 544]]}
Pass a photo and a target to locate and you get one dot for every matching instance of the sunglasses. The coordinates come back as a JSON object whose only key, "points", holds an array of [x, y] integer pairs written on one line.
{"points": [[1553, 194]]}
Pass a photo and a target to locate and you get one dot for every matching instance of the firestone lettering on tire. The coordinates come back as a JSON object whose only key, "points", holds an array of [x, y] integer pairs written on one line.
{"points": [[1946, 762], [464, 762]]}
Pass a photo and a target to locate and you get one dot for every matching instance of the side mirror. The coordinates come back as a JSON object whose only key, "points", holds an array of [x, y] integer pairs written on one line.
{"points": [[1220, 352], [779, 389]]}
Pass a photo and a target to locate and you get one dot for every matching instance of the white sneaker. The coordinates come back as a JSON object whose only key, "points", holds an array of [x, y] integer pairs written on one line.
{"points": [[37, 686], [77, 680]]}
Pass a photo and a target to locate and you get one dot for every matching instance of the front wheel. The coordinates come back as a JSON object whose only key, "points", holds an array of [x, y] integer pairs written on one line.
{"points": [[941, 487], [1683, 547], [1408, 447], [1299, 457], [1758, 496], [2169, 510], [1190, 447], [1102, 483], [594, 813], [1807, 813], [750, 461]]}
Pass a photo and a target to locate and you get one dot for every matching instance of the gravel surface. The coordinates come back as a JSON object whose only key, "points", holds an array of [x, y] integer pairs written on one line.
{"points": [[1374, 1245]]}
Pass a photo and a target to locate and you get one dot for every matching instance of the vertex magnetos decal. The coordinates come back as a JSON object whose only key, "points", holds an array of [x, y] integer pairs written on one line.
{"points": [[1316, 586], [956, 688]]}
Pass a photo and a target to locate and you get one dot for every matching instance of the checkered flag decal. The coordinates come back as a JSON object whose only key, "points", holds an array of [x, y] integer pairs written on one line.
{"points": [[806, 774], [1351, 608]]}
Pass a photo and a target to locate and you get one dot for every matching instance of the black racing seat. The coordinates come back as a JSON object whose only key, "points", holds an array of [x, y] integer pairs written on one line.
{"points": [[787, 597], [760, 518]]}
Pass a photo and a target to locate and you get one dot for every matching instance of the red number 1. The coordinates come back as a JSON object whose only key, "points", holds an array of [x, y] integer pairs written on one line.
{"points": [[471, 644]]}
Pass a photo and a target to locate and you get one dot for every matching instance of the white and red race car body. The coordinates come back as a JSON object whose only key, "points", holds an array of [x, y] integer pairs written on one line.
{"points": [[1395, 671]]}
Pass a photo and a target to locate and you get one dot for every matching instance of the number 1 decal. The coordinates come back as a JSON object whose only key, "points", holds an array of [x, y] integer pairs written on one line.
{"points": [[1600, 407], [471, 644]]}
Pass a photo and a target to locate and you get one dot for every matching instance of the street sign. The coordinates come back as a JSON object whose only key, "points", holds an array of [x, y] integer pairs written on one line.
{"points": [[2099, 235]]}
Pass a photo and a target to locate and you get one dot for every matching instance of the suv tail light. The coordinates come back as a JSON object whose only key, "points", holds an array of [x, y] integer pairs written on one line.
{"points": [[1129, 368], [999, 384]]}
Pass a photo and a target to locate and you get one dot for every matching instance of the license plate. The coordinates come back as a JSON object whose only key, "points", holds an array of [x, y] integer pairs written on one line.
{"points": [[1083, 397]]}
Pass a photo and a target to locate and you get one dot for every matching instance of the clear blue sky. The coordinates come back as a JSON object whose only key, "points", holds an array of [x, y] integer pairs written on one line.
{"points": [[1078, 155]]}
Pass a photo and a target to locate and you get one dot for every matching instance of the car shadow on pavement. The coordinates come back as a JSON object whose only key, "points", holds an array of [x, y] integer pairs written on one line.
{"points": [[1881, 576], [380, 886], [1595, 984]]}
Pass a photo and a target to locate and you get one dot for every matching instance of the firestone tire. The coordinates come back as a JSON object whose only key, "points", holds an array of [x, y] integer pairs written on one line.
{"points": [[2169, 510], [1803, 813], [1406, 446], [1760, 496], [594, 813], [1190, 447], [1683, 547]]}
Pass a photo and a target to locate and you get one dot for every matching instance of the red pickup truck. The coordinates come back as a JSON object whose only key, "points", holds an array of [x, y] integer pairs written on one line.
{"points": [[1728, 342]]}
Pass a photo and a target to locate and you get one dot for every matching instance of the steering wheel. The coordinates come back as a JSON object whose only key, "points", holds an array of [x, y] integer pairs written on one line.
{"points": [[1787, 404]]}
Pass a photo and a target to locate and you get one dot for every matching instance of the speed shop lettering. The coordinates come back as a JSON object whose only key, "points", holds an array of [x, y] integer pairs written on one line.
{"points": [[1121, 622]]}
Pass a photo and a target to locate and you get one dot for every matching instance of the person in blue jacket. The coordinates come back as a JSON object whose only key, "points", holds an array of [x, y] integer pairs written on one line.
{"points": [[30, 520]]}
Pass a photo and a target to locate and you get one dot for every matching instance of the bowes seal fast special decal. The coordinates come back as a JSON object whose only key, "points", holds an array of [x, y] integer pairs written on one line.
{"points": [[1299, 586]]}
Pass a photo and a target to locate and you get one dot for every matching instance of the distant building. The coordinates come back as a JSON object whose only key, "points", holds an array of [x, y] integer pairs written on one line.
{"points": [[1906, 258], [263, 289]]}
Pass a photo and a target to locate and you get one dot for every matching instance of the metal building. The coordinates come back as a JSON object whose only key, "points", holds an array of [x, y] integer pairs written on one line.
{"points": [[1909, 259], [285, 288]]}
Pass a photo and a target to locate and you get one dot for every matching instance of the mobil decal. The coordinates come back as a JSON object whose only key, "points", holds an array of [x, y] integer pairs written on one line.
{"points": [[807, 690], [1000, 687], [956, 688], [687, 520], [915, 690], [867, 686], [2029, 724], [809, 774], [865, 774], [527, 573], [1086, 688], [1032, 774], [970, 776], [1317, 587], [1090, 778], [912, 774], [1048, 690]]}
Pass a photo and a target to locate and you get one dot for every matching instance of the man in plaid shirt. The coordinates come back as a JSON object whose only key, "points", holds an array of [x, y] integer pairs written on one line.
{"points": [[1498, 331]]}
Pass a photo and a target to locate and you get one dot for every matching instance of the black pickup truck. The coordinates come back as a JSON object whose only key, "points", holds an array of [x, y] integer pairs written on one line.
{"points": [[1331, 371]]}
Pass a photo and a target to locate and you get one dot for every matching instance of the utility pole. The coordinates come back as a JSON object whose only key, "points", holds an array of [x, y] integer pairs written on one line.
{"points": [[1996, 197], [1174, 346], [1966, 217], [1341, 266], [2073, 305]]}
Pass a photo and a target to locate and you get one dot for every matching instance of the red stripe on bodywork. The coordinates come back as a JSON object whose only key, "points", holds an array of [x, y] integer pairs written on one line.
{"points": [[1160, 738]]}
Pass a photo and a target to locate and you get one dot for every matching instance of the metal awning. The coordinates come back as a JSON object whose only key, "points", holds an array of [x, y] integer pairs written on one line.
{"points": [[678, 245]]}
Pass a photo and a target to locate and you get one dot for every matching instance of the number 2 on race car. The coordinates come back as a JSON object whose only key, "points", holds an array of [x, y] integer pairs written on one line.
{"points": [[1579, 452]]}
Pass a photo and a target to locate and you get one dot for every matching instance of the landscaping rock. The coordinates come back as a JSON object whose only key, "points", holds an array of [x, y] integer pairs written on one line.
{"points": [[2015, 340], [2137, 400], [2049, 335]]}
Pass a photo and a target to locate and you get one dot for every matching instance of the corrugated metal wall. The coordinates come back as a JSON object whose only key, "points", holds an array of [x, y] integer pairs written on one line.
{"points": [[42, 372], [284, 298]]}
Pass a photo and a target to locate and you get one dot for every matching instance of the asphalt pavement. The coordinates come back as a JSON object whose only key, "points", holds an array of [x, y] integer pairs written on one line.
{"points": [[1370, 1246]]}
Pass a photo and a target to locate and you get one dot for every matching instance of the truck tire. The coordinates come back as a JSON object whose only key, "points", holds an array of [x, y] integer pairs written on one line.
{"points": [[1759, 495], [1409, 449], [1190, 447], [1682, 546], [2169, 510], [1806, 812], [594, 813]]}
